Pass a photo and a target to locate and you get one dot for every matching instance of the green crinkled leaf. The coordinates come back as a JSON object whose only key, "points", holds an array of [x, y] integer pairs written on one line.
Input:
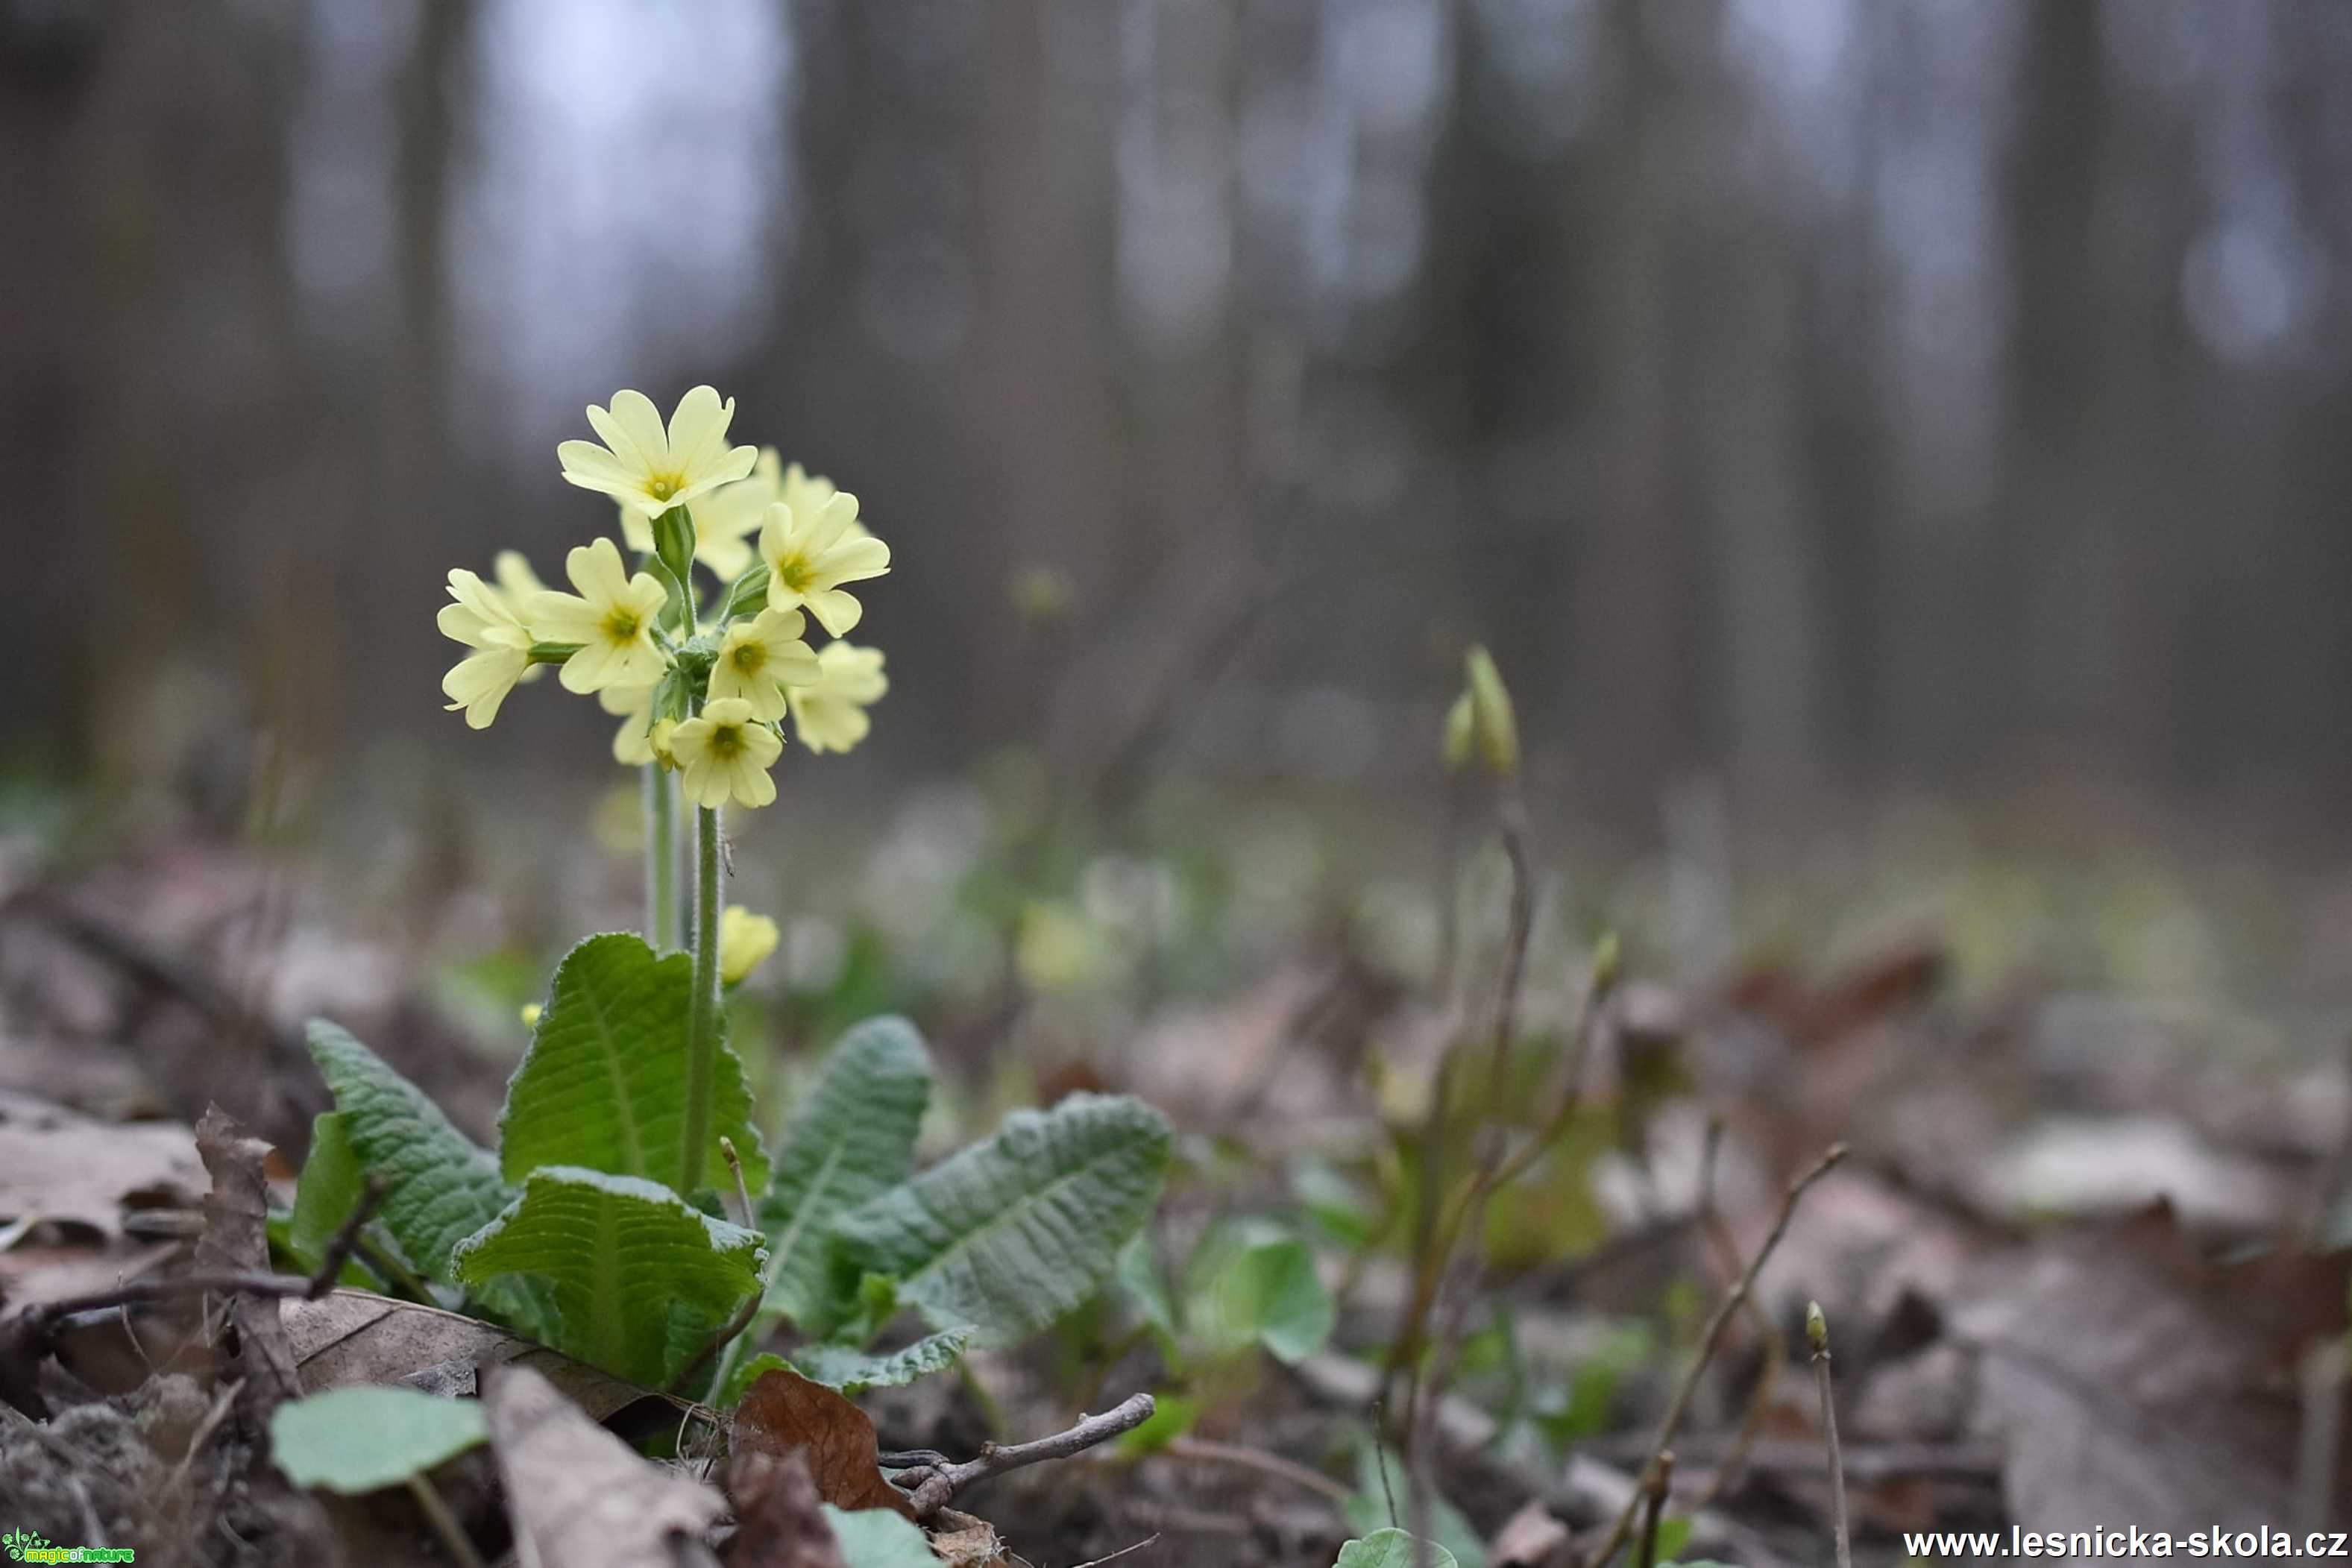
{"points": [[363, 1438], [638, 1279], [1250, 1281], [1016, 1230], [852, 1139], [602, 1086], [1390, 1549], [878, 1538], [442, 1185], [853, 1371], [331, 1181], [849, 1369]]}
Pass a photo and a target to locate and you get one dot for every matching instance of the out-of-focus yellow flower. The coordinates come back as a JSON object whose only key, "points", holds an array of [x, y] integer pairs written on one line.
{"points": [[611, 618], [635, 707], [648, 469], [483, 620], [760, 658], [530, 1011], [812, 551], [829, 713], [745, 940], [723, 520], [725, 754]]}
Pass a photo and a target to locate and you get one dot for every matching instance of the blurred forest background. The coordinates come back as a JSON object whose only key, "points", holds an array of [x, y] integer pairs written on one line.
{"points": [[1820, 399]]}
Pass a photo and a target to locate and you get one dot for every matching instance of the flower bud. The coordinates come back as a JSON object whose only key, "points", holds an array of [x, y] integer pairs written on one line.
{"points": [[1817, 1328], [1492, 725]]}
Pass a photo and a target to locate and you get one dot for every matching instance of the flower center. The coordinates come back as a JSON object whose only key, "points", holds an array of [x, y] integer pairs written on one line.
{"points": [[797, 574], [749, 657], [726, 740], [622, 625], [664, 488]]}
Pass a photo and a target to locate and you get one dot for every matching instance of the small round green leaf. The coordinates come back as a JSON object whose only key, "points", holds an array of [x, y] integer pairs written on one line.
{"points": [[1388, 1549], [877, 1538], [361, 1440]]}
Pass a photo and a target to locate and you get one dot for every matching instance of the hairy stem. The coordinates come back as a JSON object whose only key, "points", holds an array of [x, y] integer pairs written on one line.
{"points": [[661, 855], [1836, 1460], [702, 1018]]}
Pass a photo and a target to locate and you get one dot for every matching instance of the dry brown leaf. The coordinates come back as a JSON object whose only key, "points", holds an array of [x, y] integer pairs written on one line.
{"points": [[236, 1239], [2128, 1377], [1531, 1538], [784, 1412], [966, 1540], [577, 1495], [354, 1336], [67, 1170], [779, 1519]]}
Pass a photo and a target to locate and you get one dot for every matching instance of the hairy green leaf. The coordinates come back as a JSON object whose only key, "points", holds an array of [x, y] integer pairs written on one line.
{"points": [[442, 1186], [854, 1371], [877, 1538], [1390, 1549], [852, 1139], [361, 1438], [603, 1084], [1012, 1232], [639, 1278]]}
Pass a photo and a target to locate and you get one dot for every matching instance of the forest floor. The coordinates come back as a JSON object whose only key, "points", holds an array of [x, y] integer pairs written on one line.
{"points": [[2079, 1252]]}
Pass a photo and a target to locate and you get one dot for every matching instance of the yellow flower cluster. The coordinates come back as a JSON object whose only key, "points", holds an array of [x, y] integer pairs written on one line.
{"points": [[704, 690]]}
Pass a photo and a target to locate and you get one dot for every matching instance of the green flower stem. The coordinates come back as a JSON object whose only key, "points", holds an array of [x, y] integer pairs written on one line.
{"points": [[661, 855], [702, 1021]]}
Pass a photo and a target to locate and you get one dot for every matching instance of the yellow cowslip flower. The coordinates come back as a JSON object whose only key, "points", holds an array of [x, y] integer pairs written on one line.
{"points": [[650, 470], [745, 940], [760, 658], [803, 491], [723, 520], [483, 620], [812, 551], [829, 713], [611, 618], [725, 754]]}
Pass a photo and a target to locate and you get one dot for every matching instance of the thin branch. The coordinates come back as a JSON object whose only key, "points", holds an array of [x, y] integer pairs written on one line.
{"points": [[1711, 1336], [728, 1332], [1097, 1562], [1775, 1353], [931, 1487], [26, 1333], [1655, 1487], [1209, 1451]]}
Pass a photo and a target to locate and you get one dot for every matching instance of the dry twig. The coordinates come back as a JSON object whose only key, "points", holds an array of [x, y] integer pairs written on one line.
{"points": [[933, 1483], [1817, 1330], [1710, 1337]]}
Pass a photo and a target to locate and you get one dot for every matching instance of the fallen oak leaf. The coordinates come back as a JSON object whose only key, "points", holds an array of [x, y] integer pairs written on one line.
{"points": [[577, 1495], [51, 1170], [783, 1413]]}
